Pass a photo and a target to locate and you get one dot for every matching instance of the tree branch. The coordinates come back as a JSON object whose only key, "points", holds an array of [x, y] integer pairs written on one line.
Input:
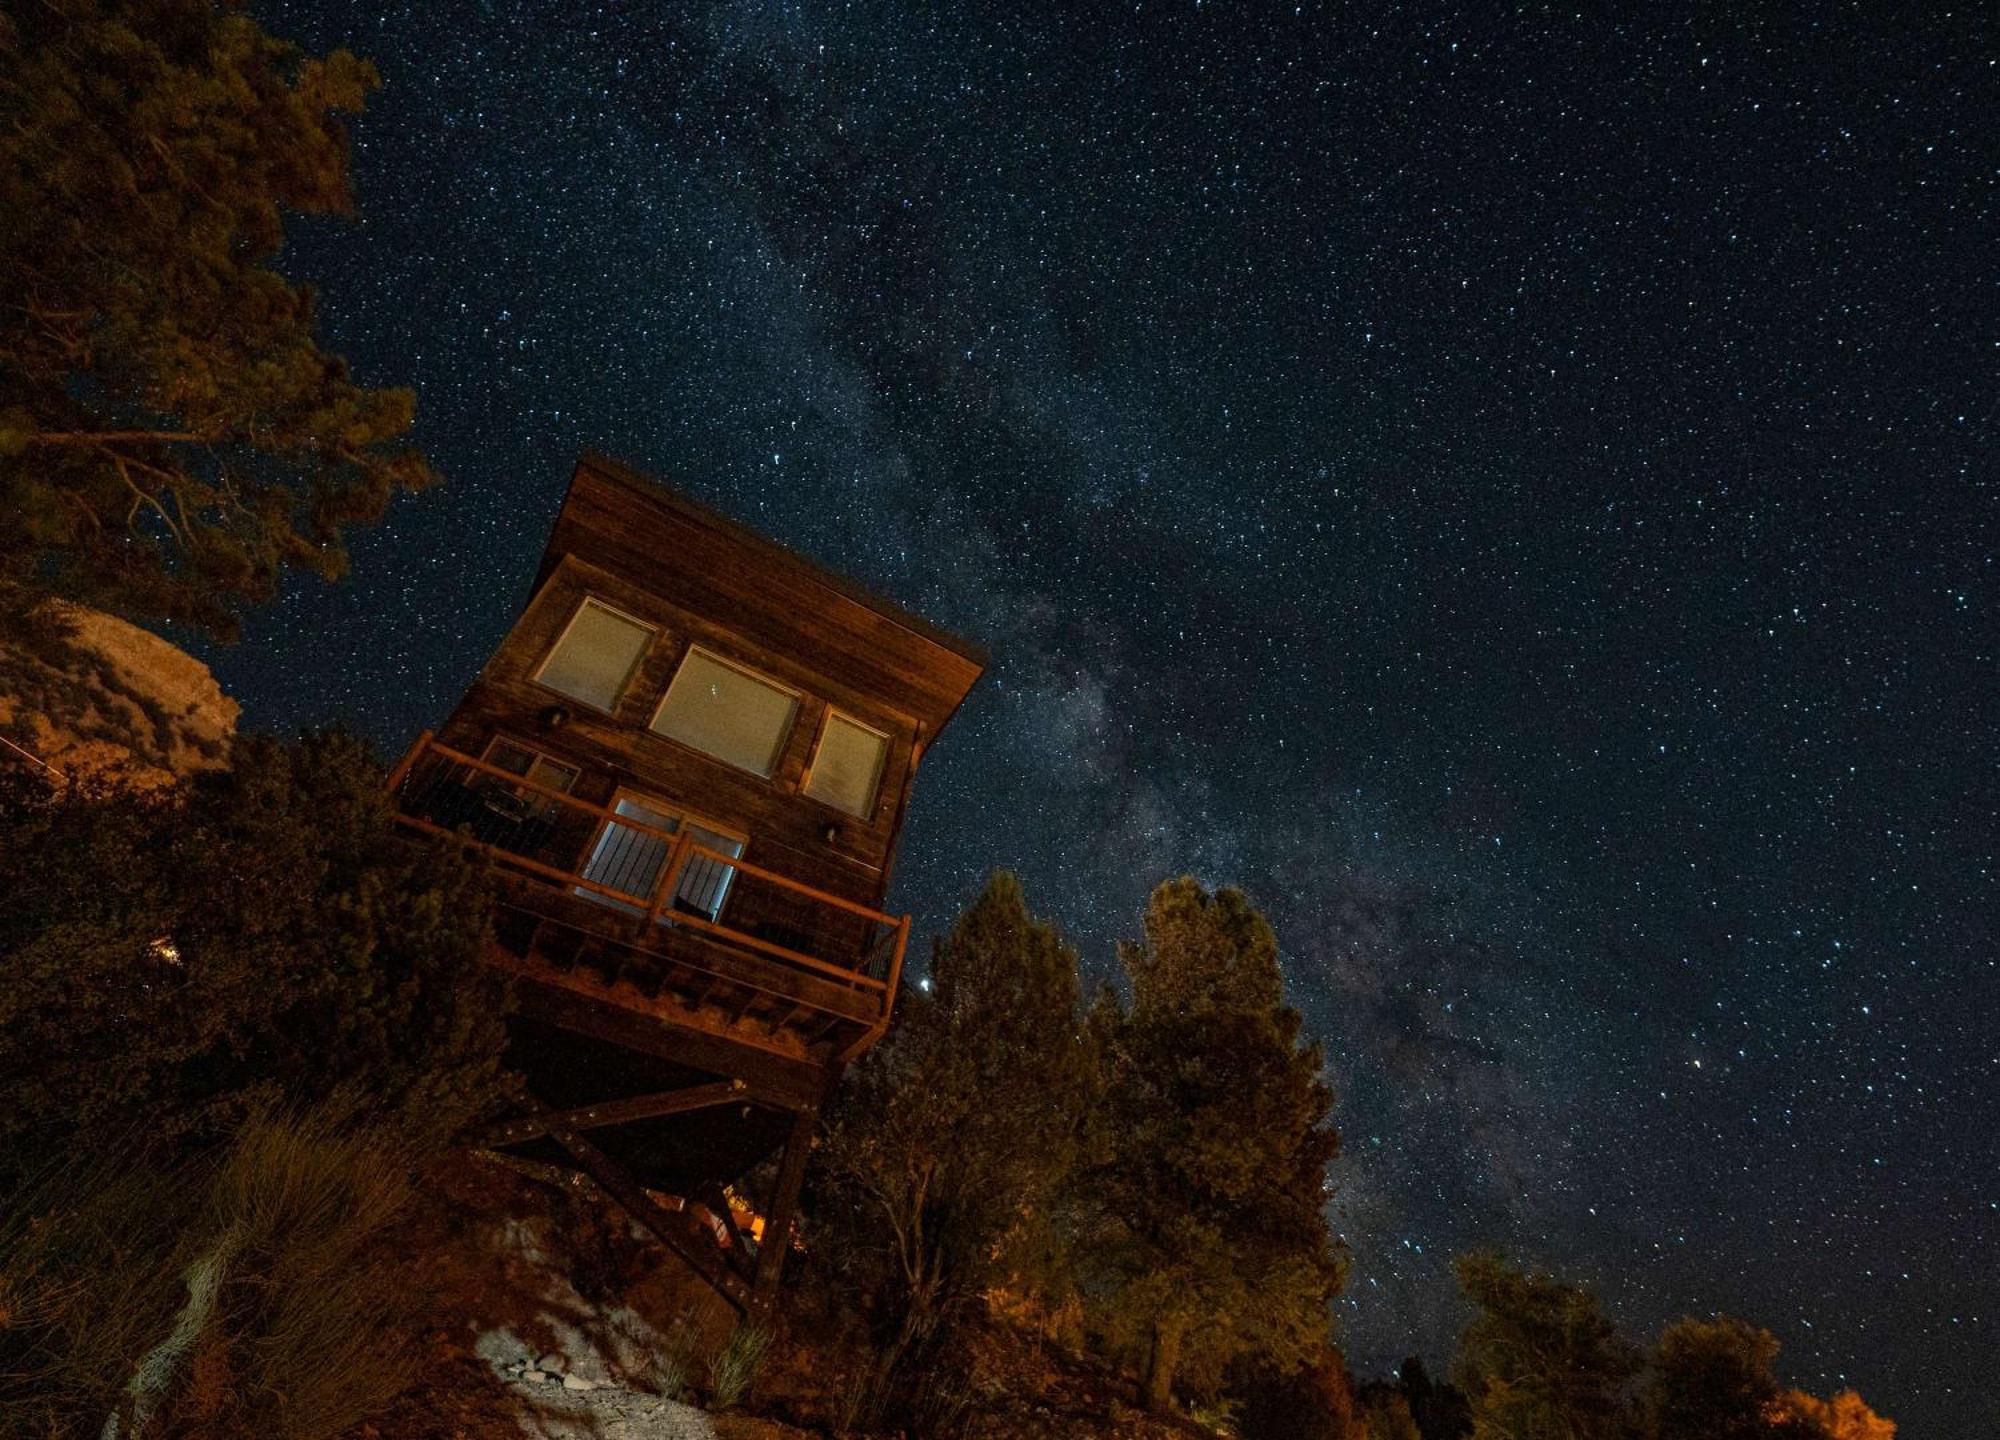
{"points": [[144, 497], [114, 437]]}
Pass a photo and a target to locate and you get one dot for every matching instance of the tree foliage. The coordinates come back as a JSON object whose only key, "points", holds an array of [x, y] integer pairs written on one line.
{"points": [[951, 1138], [1314, 1402], [1438, 1407], [1210, 1238], [1717, 1380], [1540, 1361], [170, 964], [1845, 1417], [171, 435]]}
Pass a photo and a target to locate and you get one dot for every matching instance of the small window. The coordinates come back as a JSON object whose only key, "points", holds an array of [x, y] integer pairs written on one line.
{"points": [[728, 713], [848, 767], [534, 767], [594, 660], [531, 765]]}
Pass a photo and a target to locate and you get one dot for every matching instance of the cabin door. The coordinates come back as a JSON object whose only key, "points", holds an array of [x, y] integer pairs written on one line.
{"points": [[630, 860]]}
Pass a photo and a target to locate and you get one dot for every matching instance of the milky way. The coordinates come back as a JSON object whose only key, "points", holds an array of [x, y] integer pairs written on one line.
{"points": [[1516, 494]]}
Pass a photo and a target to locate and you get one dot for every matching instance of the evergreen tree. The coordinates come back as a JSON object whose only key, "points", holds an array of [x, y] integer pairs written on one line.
{"points": [[172, 964], [171, 434], [1438, 1407], [1210, 1239], [1716, 1380], [1539, 1360], [1385, 1414], [1314, 1402], [1845, 1417], [950, 1140]]}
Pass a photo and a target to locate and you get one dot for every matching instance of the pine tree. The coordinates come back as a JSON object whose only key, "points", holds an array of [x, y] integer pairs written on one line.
{"points": [[171, 434], [951, 1138], [1717, 1380], [1210, 1238], [1315, 1402], [1539, 1360], [1438, 1407]]}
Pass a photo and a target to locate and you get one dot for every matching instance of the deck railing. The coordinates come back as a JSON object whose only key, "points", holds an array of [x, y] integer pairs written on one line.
{"points": [[657, 875]]}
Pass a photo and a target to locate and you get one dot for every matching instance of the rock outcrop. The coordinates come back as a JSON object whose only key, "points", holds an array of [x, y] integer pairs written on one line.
{"points": [[88, 695]]}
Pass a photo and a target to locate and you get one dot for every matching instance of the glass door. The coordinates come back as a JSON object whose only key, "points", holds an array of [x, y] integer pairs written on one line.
{"points": [[630, 861], [705, 883]]}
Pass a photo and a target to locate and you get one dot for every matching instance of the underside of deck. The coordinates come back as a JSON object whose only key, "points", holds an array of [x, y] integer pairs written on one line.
{"points": [[677, 1039]]}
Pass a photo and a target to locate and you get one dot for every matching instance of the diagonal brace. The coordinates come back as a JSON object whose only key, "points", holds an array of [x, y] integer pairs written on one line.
{"points": [[678, 1233], [611, 1112]]}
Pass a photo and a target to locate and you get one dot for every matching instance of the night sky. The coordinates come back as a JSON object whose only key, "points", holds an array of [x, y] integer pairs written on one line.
{"points": [[1516, 493]]}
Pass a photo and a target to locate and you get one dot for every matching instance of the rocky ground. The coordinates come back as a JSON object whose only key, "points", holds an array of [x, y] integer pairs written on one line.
{"points": [[557, 1397], [554, 1319]]}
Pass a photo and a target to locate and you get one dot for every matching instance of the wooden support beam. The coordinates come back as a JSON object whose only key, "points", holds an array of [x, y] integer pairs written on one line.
{"points": [[554, 1175], [614, 1112], [679, 1233], [784, 1199]]}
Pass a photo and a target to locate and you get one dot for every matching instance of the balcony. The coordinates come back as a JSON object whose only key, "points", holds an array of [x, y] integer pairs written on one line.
{"points": [[627, 906]]}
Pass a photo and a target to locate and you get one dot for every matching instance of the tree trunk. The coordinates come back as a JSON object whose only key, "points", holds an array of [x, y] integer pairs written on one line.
{"points": [[910, 1335], [1167, 1335]]}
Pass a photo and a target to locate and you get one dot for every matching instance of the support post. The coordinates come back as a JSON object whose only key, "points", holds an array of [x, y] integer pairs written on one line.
{"points": [[784, 1200], [402, 770], [670, 878]]}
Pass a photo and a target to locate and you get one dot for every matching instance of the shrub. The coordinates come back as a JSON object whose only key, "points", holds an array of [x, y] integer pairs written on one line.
{"points": [[172, 964], [734, 1368], [243, 1297], [671, 1373]]}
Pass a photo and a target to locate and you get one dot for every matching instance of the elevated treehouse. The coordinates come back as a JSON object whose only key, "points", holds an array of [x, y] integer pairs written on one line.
{"points": [[690, 760]]}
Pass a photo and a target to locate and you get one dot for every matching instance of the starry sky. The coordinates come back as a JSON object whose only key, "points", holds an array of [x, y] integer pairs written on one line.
{"points": [[1514, 491]]}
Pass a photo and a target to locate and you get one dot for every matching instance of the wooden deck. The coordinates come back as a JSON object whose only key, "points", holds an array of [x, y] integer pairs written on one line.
{"points": [[619, 913]]}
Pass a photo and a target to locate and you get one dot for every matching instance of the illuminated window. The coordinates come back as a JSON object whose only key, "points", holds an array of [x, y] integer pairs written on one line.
{"points": [[727, 712], [594, 659], [848, 767]]}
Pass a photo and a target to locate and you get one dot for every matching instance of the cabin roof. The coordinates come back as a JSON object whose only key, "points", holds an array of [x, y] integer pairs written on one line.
{"points": [[673, 504]]}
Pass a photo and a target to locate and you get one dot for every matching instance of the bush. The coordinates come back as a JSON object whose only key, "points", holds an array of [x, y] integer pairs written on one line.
{"points": [[172, 964], [671, 1370], [734, 1368]]}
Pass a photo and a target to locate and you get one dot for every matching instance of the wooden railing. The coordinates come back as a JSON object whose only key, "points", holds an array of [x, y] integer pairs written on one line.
{"points": [[658, 877]]}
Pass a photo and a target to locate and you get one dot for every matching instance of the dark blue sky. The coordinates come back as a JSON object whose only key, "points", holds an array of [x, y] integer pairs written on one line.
{"points": [[1515, 493]]}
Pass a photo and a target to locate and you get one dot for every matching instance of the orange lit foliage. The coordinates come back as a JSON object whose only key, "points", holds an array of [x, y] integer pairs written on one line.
{"points": [[1845, 1417]]}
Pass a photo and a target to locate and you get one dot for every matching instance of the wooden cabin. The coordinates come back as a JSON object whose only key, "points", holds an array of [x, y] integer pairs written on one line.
{"points": [[690, 761]]}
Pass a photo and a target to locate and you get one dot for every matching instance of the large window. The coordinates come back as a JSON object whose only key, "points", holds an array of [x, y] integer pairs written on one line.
{"points": [[629, 860], [847, 768], [594, 659], [727, 712]]}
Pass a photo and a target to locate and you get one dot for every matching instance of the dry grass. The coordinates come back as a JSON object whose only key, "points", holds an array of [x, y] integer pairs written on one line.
{"points": [[243, 1299], [734, 1368]]}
